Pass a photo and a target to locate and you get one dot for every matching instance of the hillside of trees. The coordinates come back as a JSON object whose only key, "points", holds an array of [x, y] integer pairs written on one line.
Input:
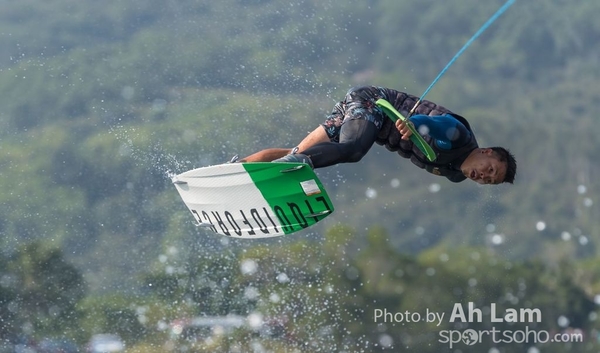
{"points": [[101, 102]]}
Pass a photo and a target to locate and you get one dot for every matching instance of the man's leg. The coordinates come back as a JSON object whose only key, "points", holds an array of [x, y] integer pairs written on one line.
{"points": [[356, 138], [266, 155], [318, 135]]}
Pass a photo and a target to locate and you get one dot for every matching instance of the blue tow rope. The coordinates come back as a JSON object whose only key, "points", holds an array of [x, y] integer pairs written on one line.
{"points": [[467, 44]]}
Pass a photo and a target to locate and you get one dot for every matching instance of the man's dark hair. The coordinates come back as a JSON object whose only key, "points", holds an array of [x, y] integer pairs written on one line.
{"points": [[504, 155]]}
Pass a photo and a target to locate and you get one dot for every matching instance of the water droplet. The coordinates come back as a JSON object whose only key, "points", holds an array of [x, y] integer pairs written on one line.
{"points": [[248, 267], [497, 239], [563, 321], [540, 225], [435, 187], [371, 193]]}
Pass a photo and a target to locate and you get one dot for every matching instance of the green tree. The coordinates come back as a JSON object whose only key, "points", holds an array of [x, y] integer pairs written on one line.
{"points": [[45, 290]]}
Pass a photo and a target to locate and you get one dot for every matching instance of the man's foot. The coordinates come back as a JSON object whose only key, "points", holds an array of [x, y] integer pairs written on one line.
{"points": [[296, 158]]}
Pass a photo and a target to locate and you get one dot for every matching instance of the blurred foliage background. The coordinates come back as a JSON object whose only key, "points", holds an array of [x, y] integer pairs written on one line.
{"points": [[101, 101]]}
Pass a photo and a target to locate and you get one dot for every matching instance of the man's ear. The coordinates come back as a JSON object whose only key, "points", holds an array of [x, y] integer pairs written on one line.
{"points": [[487, 151]]}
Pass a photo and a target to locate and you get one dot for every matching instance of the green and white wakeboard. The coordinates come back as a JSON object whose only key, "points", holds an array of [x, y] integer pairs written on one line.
{"points": [[254, 200]]}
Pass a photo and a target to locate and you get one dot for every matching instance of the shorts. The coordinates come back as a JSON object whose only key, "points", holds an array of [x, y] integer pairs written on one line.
{"points": [[359, 103]]}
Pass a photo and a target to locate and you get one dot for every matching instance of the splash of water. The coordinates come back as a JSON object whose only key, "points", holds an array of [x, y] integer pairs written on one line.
{"points": [[154, 157]]}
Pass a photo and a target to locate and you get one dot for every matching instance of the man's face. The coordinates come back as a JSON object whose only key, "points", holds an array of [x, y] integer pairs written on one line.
{"points": [[484, 168]]}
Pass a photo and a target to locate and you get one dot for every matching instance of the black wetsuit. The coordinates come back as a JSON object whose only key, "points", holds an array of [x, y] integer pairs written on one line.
{"points": [[357, 122]]}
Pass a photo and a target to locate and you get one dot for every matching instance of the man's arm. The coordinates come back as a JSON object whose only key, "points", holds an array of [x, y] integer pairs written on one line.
{"points": [[446, 130]]}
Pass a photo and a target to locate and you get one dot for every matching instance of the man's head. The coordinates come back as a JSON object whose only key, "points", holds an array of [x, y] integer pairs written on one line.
{"points": [[492, 165]]}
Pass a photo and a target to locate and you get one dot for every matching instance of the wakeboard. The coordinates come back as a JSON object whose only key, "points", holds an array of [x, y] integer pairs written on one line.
{"points": [[254, 200]]}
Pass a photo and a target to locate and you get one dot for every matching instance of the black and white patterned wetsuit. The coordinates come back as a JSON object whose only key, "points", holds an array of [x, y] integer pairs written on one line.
{"points": [[356, 123]]}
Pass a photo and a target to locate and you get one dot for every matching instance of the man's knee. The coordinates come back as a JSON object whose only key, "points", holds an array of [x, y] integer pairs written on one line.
{"points": [[354, 151], [355, 157]]}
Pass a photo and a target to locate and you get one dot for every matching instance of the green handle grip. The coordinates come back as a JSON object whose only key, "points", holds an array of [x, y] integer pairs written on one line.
{"points": [[416, 138]]}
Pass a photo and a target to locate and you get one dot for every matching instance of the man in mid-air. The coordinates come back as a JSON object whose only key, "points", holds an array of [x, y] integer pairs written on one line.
{"points": [[357, 122]]}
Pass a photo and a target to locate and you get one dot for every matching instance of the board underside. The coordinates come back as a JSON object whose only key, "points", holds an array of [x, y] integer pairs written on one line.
{"points": [[254, 200]]}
